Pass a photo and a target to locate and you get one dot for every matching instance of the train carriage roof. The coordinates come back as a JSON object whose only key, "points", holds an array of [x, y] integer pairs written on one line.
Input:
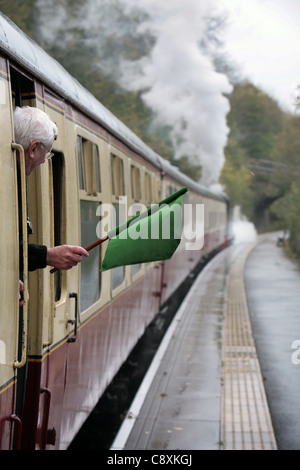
{"points": [[18, 46]]}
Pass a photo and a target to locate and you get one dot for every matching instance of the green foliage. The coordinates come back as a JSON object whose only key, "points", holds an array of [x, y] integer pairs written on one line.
{"points": [[261, 131], [287, 209], [285, 181], [255, 119], [287, 155], [22, 13], [237, 178]]}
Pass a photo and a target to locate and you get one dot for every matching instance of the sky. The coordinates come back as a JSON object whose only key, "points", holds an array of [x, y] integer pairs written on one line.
{"points": [[263, 37]]}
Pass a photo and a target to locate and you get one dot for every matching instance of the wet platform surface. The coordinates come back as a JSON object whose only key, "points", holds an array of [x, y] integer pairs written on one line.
{"points": [[245, 422], [205, 389], [273, 294]]}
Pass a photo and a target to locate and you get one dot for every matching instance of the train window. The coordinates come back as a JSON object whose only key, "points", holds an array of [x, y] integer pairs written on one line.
{"points": [[90, 269], [90, 197], [80, 157], [172, 189], [97, 184], [119, 217], [212, 220], [117, 176], [22, 88], [136, 209], [135, 183], [119, 213], [148, 189], [157, 191], [88, 166], [57, 182]]}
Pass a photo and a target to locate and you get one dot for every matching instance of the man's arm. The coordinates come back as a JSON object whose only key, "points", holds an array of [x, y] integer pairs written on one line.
{"points": [[65, 256]]}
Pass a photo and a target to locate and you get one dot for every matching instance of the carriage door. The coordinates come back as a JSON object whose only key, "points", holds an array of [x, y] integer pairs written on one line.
{"points": [[60, 308], [12, 359], [22, 94]]}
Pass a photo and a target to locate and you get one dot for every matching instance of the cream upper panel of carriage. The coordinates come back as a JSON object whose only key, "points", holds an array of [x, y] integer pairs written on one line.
{"points": [[107, 168], [133, 180]]}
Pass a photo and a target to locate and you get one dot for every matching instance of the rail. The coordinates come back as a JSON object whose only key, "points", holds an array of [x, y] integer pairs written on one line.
{"points": [[20, 363]]}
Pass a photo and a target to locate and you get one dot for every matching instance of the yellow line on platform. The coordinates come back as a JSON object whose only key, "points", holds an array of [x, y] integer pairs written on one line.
{"points": [[245, 421]]}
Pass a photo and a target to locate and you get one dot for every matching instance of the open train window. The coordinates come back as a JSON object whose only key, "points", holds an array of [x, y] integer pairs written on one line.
{"points": [[57, 164], [22, 89]]}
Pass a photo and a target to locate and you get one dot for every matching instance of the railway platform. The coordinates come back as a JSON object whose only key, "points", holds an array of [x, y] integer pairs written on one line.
{"points": [[205, 387]]}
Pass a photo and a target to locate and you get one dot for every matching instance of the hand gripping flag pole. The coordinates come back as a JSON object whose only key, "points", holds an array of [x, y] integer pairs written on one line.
{"points": [[153, 235], [93, 245]]}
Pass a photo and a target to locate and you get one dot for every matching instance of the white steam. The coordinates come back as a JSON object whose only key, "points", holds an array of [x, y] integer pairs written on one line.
{"points": [[240, 228], [182, 87], [177, 77]]}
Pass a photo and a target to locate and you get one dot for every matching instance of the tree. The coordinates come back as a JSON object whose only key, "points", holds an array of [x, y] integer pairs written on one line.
{"points": [[287, 210], [22, 13], [237, 178], [255, 122], [255, 119], [287, 156]]}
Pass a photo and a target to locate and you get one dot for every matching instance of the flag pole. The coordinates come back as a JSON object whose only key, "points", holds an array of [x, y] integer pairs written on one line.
{"points": [[98, 242], [93, 245]]}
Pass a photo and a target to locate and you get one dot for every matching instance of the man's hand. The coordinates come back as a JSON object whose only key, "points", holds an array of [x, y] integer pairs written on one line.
{"points": [[65, 256], [21, 294]]}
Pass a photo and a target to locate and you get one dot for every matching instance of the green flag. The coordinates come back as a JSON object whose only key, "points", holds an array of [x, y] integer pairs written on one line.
{"points": [[151, 236]]}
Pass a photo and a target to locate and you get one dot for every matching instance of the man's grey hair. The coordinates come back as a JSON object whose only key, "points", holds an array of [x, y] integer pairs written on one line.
{"points": [[33, 124]]}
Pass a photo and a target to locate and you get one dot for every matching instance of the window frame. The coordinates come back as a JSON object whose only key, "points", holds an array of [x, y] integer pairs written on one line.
{"points": [[119, 203], [88, 153], [89, 168]]}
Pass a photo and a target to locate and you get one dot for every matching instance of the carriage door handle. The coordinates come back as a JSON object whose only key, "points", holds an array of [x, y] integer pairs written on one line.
{"points": [[72, 339]]}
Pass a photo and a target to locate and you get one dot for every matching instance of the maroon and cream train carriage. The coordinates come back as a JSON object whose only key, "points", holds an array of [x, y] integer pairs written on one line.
{"points": [[58, 355]]}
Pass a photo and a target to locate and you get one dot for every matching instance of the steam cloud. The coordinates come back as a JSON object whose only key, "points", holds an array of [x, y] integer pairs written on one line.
{"points": [[177, 77]]}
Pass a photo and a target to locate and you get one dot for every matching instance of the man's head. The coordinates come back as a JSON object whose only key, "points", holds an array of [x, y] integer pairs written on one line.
{"points": [[35, 131]]}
